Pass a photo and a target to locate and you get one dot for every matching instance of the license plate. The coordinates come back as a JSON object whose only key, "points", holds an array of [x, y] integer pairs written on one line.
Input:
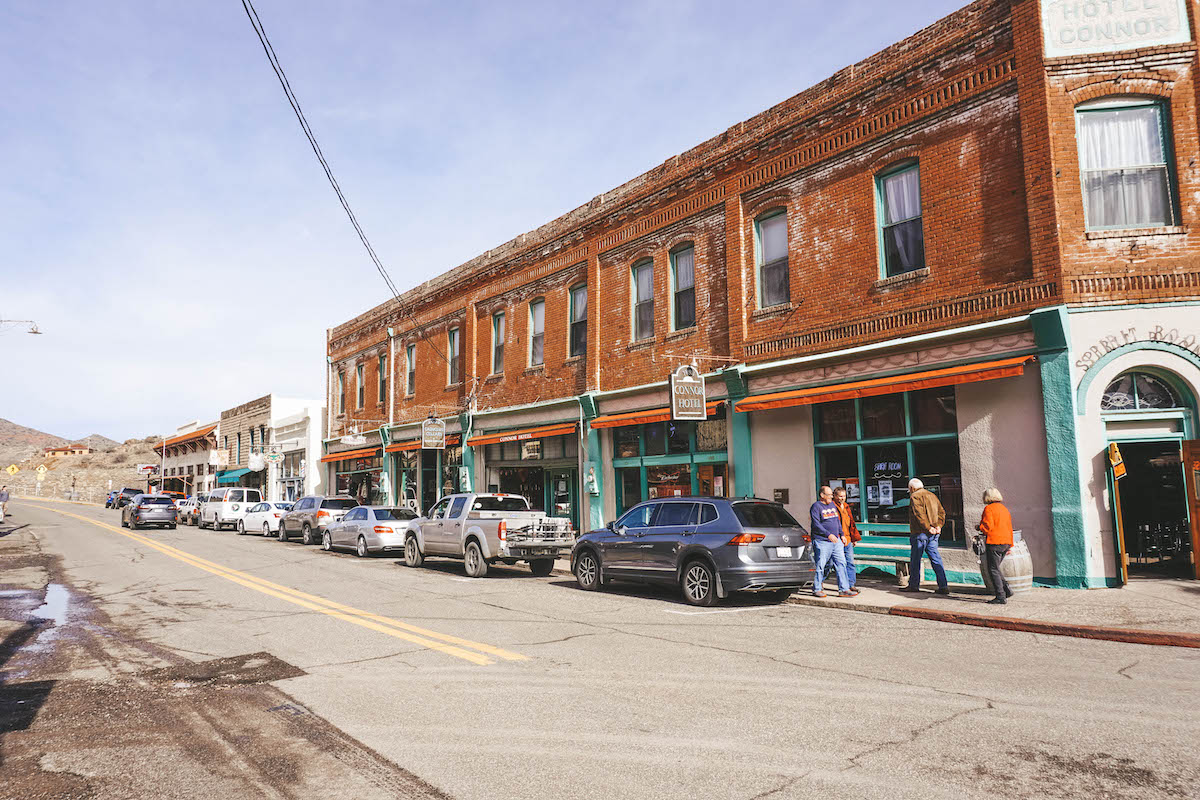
{"points": [[783, 552]]}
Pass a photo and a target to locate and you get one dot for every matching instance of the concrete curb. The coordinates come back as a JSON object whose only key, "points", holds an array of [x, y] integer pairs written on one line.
{"points": [[57, 500], [1127, 635]]}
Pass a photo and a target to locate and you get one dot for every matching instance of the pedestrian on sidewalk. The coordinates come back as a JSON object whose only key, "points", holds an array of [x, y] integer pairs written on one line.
{"points": [[827, 544], [996, 526], [925, 520], [850, 535]]}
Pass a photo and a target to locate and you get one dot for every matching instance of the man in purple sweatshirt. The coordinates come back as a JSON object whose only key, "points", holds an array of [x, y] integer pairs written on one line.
{"points": [[827, 545]]}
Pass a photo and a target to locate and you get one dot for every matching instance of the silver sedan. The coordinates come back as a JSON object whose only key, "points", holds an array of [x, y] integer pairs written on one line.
{"points": [[369, 529]]}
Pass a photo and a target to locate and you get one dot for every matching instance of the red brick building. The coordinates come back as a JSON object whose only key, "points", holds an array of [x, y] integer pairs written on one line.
{"points": [[967, 258]]}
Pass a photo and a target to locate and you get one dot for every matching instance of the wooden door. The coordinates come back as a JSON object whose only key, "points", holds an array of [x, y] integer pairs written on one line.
{"points": [[1191, 476]]}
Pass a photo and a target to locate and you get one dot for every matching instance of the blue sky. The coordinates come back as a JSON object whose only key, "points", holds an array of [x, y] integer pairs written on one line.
{"points": [[164, 221]]}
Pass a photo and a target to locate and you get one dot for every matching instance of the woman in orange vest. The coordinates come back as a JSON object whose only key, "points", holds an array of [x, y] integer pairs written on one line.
{"points": [[996, 526]]}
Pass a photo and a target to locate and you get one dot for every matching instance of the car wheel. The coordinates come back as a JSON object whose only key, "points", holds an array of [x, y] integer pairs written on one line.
{"points": [[477, 566], [241, 527], [699, 583], [306, 534], [360, 549], [541, 567], [282, 535], [412, 553], [587, 571], [266, 529], [133, 526], [326, 542]]}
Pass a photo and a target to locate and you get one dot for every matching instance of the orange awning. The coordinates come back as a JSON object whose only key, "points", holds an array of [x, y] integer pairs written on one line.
{"points": [[525, 433], [367, 452], [186, 437], [947, 376], [642, 417], [415, 444]]}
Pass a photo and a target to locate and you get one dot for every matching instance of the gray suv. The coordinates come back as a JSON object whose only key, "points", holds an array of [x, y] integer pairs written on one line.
{"points": [[148, 509], [311, 515], [707, 546]]}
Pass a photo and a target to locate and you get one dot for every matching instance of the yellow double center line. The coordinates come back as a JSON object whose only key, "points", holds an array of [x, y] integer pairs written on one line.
{"points": [[475, 652]]}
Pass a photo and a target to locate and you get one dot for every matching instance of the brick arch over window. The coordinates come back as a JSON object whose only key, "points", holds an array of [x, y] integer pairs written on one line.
{"points": [[1145, 84]]}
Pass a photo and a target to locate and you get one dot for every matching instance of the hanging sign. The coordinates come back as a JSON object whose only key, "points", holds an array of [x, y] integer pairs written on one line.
{"points": [[1118, 463], [433, 434], [687, 394]]}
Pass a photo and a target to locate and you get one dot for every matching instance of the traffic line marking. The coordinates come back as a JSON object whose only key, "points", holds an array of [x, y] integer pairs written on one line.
{"points": [[433, 640]]}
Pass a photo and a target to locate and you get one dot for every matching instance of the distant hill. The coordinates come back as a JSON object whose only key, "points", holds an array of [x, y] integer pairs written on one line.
{"points": [[98, 442], [18, 443]]}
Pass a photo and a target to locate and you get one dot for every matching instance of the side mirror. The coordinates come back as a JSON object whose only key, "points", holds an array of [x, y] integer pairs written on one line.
{"points": [[612, 526]]}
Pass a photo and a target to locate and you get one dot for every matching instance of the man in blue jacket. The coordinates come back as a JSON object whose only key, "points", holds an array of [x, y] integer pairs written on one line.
{"points": [[826, 535]]}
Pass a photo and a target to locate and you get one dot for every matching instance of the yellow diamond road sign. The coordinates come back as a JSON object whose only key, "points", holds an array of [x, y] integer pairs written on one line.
{"points": [[41, 469], [12, 469]]}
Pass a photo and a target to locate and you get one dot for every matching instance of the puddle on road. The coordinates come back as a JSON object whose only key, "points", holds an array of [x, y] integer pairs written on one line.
{"points": [[54, 607]]}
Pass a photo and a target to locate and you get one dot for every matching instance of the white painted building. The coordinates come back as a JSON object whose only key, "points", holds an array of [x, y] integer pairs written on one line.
{"points": [[296, 442]]}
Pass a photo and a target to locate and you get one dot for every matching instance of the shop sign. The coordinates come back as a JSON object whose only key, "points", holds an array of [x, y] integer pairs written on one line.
{"points": [[144, 469], [531, 449], [1077, 27], [687, 394], [433, 434], [781, 496], [1118, 463], [1160, 334]]}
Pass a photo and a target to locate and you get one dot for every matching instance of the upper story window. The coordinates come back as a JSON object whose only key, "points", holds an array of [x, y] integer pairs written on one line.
{"points": [[1139, 391], [578, 331], [643, 300], [383, 376], [360, 390], [411, 359], [498, 343], [537, 332], [901, 236], [341, 393], [683, 282], [1123, 163], [454, 356], [771, 246]]}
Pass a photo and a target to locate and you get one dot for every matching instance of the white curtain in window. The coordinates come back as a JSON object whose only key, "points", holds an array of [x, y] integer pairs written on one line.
{"points": [[645, 283], [685, 269], [1127, 137], [1125, 179], [773, 235], [902, 196]]}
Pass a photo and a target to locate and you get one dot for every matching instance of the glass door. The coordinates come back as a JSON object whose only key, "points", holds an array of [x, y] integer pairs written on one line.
{"points": [[562, 494]]}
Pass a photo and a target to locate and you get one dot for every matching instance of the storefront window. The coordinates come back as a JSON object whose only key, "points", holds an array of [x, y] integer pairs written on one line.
{"points": [[670, 459], [902, 436], [631, 485], [542, 470], [711, 435], [670, 480], [406, 476], [626, 441], [451, 461], [359, 478]]}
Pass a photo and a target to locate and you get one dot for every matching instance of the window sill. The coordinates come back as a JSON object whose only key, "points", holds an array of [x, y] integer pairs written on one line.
{"points": [[536, 369], [1129, 233], [774, 311], [641, 344], [902, 279], [410, 396], [495, 377], [573, 360], [455, 385], [683, 333]]}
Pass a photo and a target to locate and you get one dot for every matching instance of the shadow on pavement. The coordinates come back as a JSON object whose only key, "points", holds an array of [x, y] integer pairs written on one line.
{"points": [[672, 594], [6, 531], [20, 702]]}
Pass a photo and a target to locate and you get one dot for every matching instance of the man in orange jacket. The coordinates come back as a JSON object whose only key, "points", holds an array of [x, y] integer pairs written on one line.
{"points": [[850, 534]]}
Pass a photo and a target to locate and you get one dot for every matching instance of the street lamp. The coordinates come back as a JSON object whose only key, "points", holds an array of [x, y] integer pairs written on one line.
{"points": [[33, 328]]}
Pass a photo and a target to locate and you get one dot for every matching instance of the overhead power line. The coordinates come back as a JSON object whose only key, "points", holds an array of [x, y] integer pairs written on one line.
{"points": [[256, 22]]}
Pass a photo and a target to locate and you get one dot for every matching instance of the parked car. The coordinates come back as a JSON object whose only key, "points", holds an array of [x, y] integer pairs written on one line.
{"points": [[311, 515], [708, 546], [263, 517], [227, 506], [369, 529], [189, 509], [487, 528], [111, 499], [148, 509], [125, 495]]}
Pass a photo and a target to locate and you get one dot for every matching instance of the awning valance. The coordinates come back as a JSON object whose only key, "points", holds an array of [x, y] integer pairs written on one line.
{"points": [[185, 437], [643, 417], [521, 435], [367, 452], [415, 444], [231, 475], [928, 379]]}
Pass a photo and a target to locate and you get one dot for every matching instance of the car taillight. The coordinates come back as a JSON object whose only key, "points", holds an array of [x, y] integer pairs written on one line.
{"points": [[383, 529], [503, 531], [277, 516], [747, 538], [322, 514]]}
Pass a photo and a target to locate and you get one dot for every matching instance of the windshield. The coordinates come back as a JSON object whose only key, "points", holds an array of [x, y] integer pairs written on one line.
{"points": [[156, 501], [500, 504], [284, 506], [398, 514], [763, 515], [339, 502]]}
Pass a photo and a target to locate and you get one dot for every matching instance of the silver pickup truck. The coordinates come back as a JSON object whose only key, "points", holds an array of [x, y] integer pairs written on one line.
{"points": [[485, 528]]}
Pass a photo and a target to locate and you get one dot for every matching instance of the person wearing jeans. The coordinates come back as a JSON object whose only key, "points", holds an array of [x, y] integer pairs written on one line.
{"points": [[850, 535], [827, 544], [925, 520], [996, 526]]}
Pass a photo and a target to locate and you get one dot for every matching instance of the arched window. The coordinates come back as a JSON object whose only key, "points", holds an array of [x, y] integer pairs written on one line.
{"points": [[1124, 163], [1139, 391]]}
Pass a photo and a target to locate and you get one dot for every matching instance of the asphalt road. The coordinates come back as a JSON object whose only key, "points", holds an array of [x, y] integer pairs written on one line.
{"points": [[328, 675]]}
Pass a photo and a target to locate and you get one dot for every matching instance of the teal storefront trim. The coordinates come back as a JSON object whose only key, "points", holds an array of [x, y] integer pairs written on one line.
{"points": [[468, 453], [1052, 335], [741, 448], [594, 465], [1094, 370]]}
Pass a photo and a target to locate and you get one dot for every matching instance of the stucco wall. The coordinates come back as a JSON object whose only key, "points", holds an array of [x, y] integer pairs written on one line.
{"points": [[1002, 443], [783, 456]]}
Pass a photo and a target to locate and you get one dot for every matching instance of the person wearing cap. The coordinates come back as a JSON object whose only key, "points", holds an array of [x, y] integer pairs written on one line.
{"points": [[996, 526]]}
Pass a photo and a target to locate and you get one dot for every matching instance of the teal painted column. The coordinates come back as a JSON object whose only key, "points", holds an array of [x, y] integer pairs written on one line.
{"points": [[1052, 334], [593, 467], [741, 450], [468, 453]]}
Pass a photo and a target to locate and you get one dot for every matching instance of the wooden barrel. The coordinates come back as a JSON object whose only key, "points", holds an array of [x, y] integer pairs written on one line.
{"points": [[1017, 569]]}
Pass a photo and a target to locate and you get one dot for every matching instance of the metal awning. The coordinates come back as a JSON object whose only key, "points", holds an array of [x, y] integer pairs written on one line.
{"points": [[231, 475]]}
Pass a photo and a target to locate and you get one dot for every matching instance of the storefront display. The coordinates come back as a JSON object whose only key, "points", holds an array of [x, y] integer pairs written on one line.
{"points": [[543, 470], [671, 459], [359, 478]]}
